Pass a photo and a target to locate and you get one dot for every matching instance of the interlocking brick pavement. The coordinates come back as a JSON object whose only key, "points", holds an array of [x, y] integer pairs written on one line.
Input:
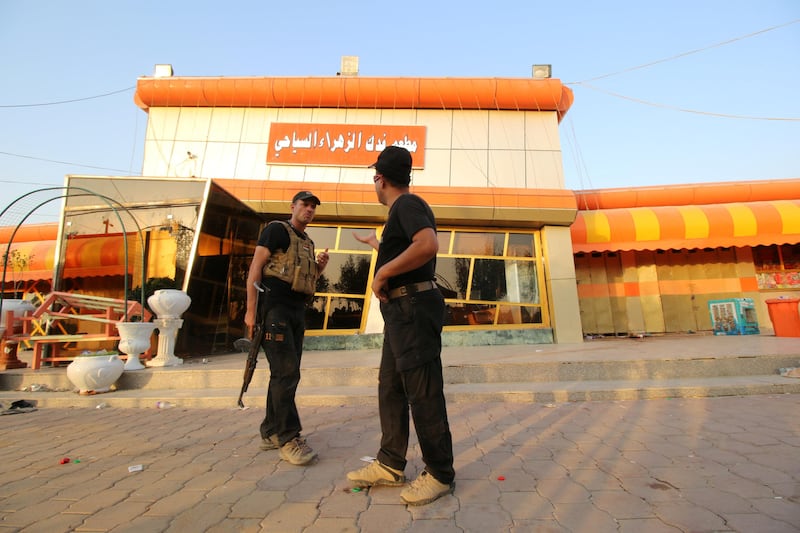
{"points": [[680, 465]]}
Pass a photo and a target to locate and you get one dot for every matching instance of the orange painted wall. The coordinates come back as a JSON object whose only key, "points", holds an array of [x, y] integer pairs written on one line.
{"points": [[677, 298]]}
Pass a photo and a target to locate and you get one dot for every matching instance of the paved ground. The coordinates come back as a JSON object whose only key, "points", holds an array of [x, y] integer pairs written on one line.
{"points": [[688, 465]]}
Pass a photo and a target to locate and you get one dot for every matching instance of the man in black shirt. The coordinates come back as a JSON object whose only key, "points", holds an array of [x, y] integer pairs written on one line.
{"points": [[286, 262], [413, 311]]}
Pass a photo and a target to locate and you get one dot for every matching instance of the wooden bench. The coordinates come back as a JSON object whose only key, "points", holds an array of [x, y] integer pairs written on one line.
{"points": [[56, 343], [59, 308]]}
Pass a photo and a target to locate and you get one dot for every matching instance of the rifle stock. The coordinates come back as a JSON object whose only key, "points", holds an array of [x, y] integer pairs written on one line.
{"points": [[255, 341]]}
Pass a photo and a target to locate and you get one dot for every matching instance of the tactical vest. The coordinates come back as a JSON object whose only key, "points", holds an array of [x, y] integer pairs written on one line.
{"points": [[297, 266]]}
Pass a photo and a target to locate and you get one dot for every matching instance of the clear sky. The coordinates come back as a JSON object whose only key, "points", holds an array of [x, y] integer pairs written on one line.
{"points": [[684, 91]]}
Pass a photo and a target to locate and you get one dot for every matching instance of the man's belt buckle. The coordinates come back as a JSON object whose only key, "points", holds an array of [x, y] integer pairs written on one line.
{"points": [[410, 290]]}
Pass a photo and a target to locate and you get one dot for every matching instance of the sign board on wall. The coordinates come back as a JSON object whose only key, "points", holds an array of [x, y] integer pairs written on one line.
{"points": [[343, 145]]}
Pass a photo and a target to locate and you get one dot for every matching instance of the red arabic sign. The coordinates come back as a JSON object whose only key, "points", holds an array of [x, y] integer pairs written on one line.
{"points": [[342, 145]]}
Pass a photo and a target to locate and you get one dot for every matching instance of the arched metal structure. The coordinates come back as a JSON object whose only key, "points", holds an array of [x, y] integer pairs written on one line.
{"points": [[85, 192]]}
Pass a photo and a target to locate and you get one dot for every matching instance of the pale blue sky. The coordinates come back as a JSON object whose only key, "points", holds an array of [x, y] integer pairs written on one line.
{"points": [[658, 124]]}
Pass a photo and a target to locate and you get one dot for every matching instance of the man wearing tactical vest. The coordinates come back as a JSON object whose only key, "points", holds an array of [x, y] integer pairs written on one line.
{"points": [[286, 266]]}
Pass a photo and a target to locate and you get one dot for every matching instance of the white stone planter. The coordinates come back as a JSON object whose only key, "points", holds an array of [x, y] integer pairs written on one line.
{"points": [[134, 339], [169, 303], [94, 373]]}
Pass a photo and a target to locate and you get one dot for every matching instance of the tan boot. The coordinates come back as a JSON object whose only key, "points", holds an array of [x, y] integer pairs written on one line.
{"points": [[297, 452], [270, 443], [376, 473], [425, 489]]}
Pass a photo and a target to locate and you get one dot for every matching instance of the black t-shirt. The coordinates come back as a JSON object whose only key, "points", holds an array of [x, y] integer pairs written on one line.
{"points": [[408, 215], [276, 237]]}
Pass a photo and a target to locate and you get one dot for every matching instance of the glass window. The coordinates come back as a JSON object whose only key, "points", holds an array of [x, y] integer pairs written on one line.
{"points": [[520, 245], [470, 314], [483, 314], [323, 237], [348, 242], [444, 241], [345, 313], [488, 280], [521, 314], [470, 281], [777, 267], [790, 254], [504, 280], [452, 276], [475, 270], [766, 258], [315, 313], [342, 287], [348, 273], [333, 312], [478, 243], [521, 282]]}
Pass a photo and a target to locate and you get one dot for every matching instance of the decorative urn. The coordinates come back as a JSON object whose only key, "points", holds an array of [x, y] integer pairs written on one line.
{"points": [[95, 373], [169, 303], [134, 339]]}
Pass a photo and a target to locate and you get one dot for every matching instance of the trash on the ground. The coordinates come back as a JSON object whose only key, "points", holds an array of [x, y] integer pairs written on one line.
{"points": [[550, 405], [18, 406], [101, 405], [76, 461], [501, 478], [367, 459], [164, 405], [205, 361], [135, 468], [64, 460], [356, 489], [791, 372], [36, 387]]}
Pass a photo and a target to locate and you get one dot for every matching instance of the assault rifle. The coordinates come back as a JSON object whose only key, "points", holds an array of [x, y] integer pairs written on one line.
{"points": [[255, 340]]}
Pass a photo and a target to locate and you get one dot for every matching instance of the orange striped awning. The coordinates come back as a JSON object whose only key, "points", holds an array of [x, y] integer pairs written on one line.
{"points": [[687, 226], [85, 257], [36, 259]]}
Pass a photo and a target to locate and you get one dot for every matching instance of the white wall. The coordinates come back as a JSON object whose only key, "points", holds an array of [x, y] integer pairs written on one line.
{"points": [[463, 148]]}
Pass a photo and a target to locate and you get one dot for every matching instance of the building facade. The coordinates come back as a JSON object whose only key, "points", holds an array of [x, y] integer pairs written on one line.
{"points": [[487, 158]]}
